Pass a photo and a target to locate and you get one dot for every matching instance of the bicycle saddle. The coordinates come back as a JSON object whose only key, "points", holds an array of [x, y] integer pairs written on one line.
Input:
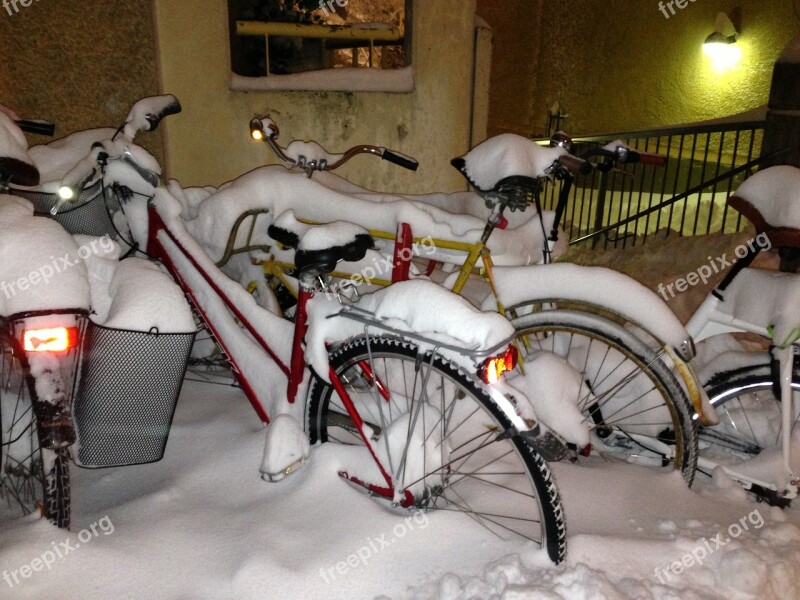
{"points": [[18, 172], [321, 246], [770, 200]]}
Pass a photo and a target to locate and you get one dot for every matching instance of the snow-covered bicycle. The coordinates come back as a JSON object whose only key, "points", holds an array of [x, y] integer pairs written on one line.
{"points": [[414, 398], [633, 380], [756, 441]]}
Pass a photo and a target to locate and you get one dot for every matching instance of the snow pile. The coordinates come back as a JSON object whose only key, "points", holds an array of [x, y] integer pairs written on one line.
{"points": [[12, 140], [41, 267], [766, 299], [55, 159], [146, 109], [775, 192], [418, 306], [304, 152], [144, 298], [507, 155], [554, 385], [275, 189]]}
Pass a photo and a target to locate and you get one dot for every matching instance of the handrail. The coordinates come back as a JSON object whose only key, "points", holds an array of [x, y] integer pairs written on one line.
{"points": [[695, 190]]}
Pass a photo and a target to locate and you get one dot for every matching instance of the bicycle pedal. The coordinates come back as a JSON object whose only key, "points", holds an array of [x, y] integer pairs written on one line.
{"points": [[548, 444], [283, 473]]}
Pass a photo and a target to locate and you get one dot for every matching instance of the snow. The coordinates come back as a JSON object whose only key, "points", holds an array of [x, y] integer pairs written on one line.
{"points": [[41, 267], [506, 155], [418, 306], [56, 158], [347, 79], [775, 192], [778, 295], [555, 385], [151, 106], [304, 152], [592, 285], [144, 298], [12, 141], [276, 190], [202, 524]]}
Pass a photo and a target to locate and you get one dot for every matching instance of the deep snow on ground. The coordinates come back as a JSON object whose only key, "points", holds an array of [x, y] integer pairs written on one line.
{"points": [[202, 525]]}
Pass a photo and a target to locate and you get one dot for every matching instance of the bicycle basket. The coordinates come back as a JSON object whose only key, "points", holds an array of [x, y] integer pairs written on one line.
{"points": [[88, 215], [126, 397]]}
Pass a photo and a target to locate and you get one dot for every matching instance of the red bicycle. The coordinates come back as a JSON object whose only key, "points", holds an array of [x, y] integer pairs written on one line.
{"points": [[405, 387]]}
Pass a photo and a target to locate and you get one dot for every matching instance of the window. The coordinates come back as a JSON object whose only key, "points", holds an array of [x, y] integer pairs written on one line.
{"points": [[319, 44]]}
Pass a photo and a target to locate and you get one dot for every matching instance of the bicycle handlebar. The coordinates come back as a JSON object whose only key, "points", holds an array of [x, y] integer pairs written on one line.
{"points": [[575, 164], [266, 130], [36, 126]]}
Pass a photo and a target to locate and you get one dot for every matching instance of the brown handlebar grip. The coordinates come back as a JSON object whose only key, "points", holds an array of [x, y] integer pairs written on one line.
{"points": [[575, 164], [647, 158]]}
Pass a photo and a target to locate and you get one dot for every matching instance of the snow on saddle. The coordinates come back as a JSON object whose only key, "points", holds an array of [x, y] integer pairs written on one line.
{"points": [[320, 247], [770, 200]]}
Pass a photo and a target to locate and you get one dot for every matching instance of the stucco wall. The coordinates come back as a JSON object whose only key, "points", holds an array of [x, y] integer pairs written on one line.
{"points": [[209, 142], [621, 65], [80, 64]]}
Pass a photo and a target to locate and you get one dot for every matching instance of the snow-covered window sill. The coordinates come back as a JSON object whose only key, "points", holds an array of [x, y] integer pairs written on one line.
{"points": [[346, 79]]}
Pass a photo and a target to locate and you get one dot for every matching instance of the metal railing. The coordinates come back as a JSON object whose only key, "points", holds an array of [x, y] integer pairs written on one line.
{"points": [[706, 163]]}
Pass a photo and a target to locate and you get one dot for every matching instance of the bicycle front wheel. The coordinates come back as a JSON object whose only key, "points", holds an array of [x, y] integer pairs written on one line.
{"points": [[636, 409], [31, 478], [442, 438]]}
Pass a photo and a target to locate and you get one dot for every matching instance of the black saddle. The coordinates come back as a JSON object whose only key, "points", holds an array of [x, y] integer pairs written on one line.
{"points": [[18, 172], [323, 260]]}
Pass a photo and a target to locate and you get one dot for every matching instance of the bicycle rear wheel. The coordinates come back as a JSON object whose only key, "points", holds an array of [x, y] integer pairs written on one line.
{"points": [[442, 437], [31, 478], [637, 411]]}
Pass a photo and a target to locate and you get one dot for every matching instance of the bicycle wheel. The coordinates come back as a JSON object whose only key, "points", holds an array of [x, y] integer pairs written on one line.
{"points": [[442, 438], [637, 411], [749, 413], [30, 478]]}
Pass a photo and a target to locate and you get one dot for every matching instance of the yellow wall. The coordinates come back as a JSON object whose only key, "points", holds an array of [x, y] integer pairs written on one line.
{"points": [[209, 144], [621, 65]]}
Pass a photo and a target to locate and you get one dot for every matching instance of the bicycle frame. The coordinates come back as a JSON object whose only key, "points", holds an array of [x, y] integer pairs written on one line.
{"points": [[709, 320], [164, 245]]}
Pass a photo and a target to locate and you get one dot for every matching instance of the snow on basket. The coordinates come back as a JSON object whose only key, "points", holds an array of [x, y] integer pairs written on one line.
{"points": [[132, 369]]}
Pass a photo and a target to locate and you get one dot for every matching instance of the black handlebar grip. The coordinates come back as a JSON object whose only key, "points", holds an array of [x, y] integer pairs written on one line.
{"points": [[173, 108], [37, 127], [575, 164], [400, 159]]}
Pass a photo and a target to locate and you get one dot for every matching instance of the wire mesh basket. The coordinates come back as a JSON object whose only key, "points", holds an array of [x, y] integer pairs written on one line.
{"points": [[127, 393], [88, 215]]}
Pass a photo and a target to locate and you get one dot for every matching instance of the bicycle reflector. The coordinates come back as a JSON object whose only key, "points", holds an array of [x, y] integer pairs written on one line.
{"points": [[494, 366], [54, 339]]}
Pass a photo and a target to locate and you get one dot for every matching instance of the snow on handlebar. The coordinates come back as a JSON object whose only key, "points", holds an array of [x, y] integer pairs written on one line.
{"points": [[311, 156]]}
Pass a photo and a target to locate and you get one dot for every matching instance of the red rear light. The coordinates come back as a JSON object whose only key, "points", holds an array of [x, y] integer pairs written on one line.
{"points": [[52, 339], [493, 367]]}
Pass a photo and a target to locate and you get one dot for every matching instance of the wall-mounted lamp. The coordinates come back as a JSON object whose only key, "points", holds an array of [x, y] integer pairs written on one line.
{"points": [[721, 45]]}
